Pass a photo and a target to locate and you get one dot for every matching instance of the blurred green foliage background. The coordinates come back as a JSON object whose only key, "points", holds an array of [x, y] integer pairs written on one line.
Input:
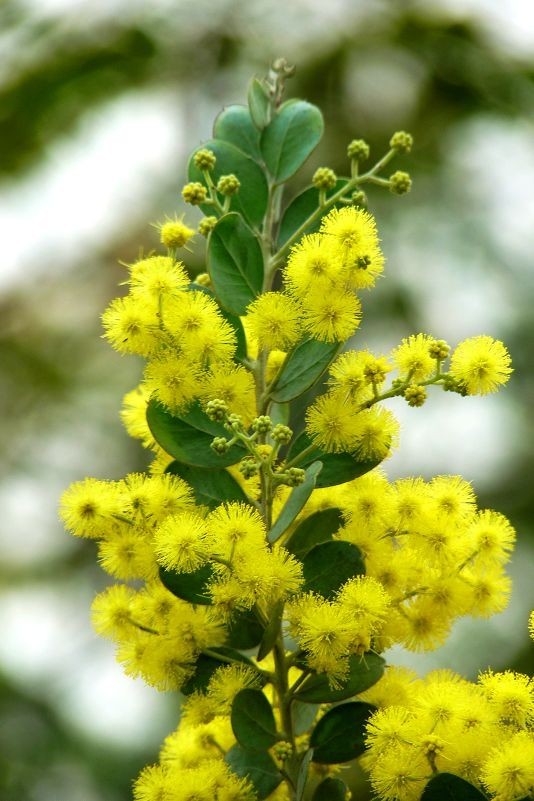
{"points": [[100, 102]]}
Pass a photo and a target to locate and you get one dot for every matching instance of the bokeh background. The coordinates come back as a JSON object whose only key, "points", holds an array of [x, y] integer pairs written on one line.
{"points": [[100, 103]]}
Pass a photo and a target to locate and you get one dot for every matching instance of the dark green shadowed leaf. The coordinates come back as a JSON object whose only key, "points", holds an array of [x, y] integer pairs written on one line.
{"points": [[303, 716], [447, 787], [235, 263], [293, 133], [256, 766], [244, 630], [233, 319], [210, 487], [295, 502], [315, 529], [340, 734], [258, 103], [338, 468], [207, 665], [271, 631], [303, 367], [253, 721], [301, 208], [280, 413], [189, 586], [188, 437], [329, 565], [251, 200], [364, 672], [234, 124], [330, 790]]}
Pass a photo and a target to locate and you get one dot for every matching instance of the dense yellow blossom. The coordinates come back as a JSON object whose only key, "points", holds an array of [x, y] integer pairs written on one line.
{"points": [[481, 365]]}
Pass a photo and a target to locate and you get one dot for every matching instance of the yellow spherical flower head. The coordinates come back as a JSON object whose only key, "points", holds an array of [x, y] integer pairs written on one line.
{"points": [[376, 434], [367, 502], [481, 365], [511, 696], [156, 276], [133, 415], [452, 499], [131, 325], [396, 688], [235, 386], [400, 774], [180, 542], [225, 684], [492, 537], [152, 784], [175, 233], [89, 508], [425, 630], [313, 264], [195, 321], [332, 422], [489, 591], [275, 361], [509, 769], [111, 611], [353, 232], [411, 504], [150, 499], [274, 320], [127, 555], [173, 380], [331, 316], [233, 528], [347, 374], [365, 599], [412, 358]]}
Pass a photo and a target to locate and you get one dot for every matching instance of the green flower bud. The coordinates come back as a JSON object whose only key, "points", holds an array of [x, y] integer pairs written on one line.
{"points": [[359, 198], [194, 193], [401, 142], [217, 410], [415, 395], [234, 422], [206, 226], [324, 178], [439, 349], [282, 750], [220, 445], [204, 159], [281, 434], [262, 424], [295, 476], [248, 467], [358, 149], [450, 384], [228, 185], [400, 183], [203, 279]]}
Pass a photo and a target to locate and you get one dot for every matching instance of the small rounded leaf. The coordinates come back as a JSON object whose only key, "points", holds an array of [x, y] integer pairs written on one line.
{"points": [[329, 565], [293, 133], [253, 720], [340, 734]]}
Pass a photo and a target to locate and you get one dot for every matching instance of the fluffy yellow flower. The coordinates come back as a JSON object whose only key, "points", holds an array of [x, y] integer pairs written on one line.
{"points": [[180, 542], [412, 357], [509, 769], [313, 264], [481, 365], [156, 276], [131, 325], [332, 421], [275, 320], [331, 316]]}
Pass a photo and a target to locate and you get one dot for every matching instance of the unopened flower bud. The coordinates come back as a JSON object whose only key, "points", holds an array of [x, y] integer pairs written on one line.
{"points": [[248, 467], [175, 234], [401, 142], [358, 149], [204, 159], [203, 279], [324, 178], [439, 349], [281, 434], [359, 198], [415, 395], [220, 445], [282, 750], [206, 225], [217, 410], [228, 185], [194, 193], [262, 424], [234, 422], [295, 476], [400, 183]]}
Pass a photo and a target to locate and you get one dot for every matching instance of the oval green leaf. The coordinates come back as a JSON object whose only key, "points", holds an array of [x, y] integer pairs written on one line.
{"points": [[257, 767], [207, 665], [210, 487], [244, 631], [251, 200], [338, 468], [314, 530], [293, 133], [253, 720], [303, 774], [296, 501], [303, 366], [190, 587], [301, 208], [235, 263], [188, 437], [304, 716], [258, 103], [340, 735], [234, 125], [447, 787], [364, 672], [330, 789], [329, 565]]}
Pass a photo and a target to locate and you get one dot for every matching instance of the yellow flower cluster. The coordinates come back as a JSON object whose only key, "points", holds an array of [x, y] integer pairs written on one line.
{"points": [[481, 732]]}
